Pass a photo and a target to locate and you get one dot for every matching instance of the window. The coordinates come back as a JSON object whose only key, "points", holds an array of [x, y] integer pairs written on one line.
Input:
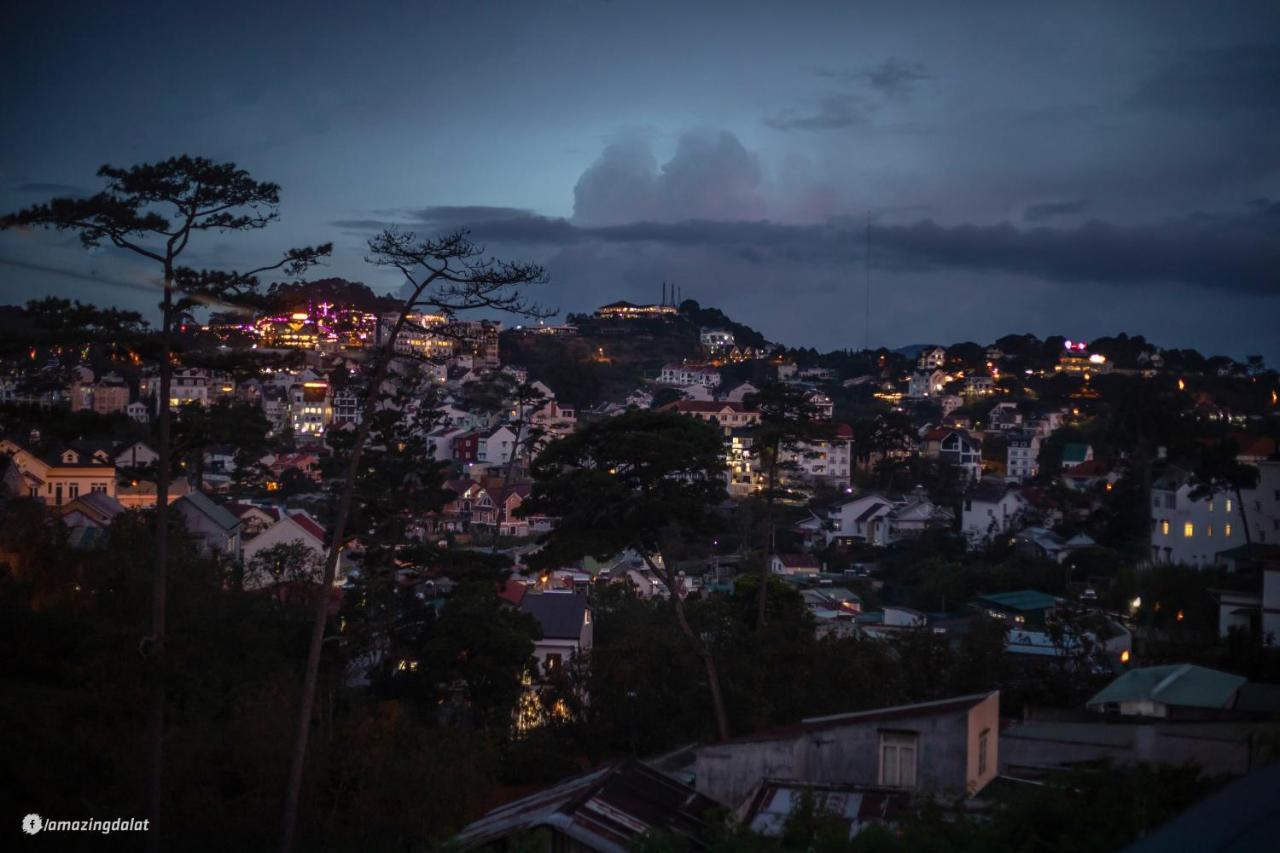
{"points": [[1170, 501], [1188, 530], [1226, 530], [1228, 504], [553, 662], [75, 490], [1164, 527], [898, 759], [983, 740], [1208, 530]]}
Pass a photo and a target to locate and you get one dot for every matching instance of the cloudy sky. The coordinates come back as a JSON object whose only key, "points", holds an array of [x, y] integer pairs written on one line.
{"points": [[1075, 168]]}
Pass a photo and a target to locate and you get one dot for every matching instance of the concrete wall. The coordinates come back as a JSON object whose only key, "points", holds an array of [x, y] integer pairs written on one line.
{"points": [[1216, 747], [983, 717], [850, 754]]}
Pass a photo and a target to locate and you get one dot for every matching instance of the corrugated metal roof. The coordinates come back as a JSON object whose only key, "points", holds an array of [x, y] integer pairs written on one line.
{"points": [[219, 516], [1185, 685], [1023, 599], [604, 810]]}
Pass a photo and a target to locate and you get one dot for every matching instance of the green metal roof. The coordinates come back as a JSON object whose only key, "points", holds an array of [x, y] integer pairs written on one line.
{"points": [[1185, 685], [1074, 452], [1022, 600]]}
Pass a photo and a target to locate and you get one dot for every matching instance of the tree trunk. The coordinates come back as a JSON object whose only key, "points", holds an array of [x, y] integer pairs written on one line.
{"points": [[159, 578], [700, 648], [320, 615], [1244, 522], [762, 598], [1146, 460]]}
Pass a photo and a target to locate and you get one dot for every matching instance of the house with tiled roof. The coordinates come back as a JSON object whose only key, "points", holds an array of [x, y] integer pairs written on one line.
{"points": [[794, 564], [728, 415], [1088, 474]]}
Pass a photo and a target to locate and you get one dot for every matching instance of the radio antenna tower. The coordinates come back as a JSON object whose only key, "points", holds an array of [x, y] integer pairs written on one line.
{"points": [[866, 318]]}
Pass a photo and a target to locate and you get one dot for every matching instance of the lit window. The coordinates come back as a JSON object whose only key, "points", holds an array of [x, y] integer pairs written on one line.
{"points": [[1226, 530], [898, 759], [1228, 504], [1164, 527], [1208, 530], [1188, 530]]}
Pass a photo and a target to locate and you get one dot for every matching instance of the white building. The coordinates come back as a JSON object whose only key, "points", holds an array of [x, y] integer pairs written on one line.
{"points": [[495, 446], [822, 461], [683, 375], [931, 358], [1191, 531], [188, 385], [879, 520], [1022, 452], [990, 510], [310, 410], [926, 383], [716, 339]]}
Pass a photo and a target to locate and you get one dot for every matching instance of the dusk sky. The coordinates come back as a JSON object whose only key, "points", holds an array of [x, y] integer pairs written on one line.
{"points": [[1073, 168]]}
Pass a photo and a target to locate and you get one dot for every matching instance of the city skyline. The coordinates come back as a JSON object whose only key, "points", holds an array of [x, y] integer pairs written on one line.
{"points": [[1080, 171]]}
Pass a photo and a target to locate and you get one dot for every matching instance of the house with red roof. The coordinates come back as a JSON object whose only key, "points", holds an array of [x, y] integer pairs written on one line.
{"points": [[728, 415], [290, 526], [794, 564]]}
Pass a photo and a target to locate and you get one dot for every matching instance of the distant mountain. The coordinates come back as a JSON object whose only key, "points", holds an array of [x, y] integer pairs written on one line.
{"points": [[911, 350]]}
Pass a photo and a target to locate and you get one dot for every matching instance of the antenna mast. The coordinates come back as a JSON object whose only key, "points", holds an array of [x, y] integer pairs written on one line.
{"points": [[866, 330]]}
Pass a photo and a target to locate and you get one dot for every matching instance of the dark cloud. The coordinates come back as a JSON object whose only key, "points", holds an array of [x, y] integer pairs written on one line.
{"points": [[893, 78], [52, 189], [1215, 82], [834, 112], [1050, 209], [896, 78], [457, 214], [1239, 251]]}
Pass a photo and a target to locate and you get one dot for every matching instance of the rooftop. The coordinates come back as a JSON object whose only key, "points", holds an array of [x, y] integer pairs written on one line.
{"points": [[607, 809], [1022, 600], [561, 614], [1184, 685]]}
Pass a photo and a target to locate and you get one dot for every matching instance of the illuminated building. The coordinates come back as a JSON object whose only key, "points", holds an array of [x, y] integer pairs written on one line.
{"points": [[627, 311], [309, 408], [422, 335], [1076, 360]]}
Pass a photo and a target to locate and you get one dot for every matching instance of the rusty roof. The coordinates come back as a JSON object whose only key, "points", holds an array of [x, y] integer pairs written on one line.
{"points": [[606, 809]]}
